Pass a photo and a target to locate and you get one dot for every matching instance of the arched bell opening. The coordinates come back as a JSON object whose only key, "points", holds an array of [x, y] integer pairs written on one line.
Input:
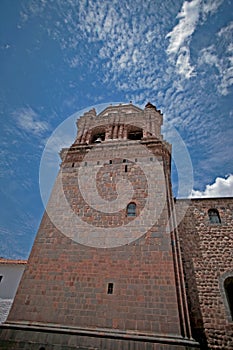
{"points": [[135, 133], [98, 135]]}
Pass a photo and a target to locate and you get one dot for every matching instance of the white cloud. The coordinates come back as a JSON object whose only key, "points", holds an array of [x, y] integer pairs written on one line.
{"points": [[183, 65], [207, 55], [28, 120], [188, 18], [222, 187], [210, 7], [223, 64], [180, 36], [226, 31], [125, 37]]}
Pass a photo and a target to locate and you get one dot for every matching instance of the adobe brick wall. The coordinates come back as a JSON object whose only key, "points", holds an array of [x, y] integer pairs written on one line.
{"points": [[208, 259]]}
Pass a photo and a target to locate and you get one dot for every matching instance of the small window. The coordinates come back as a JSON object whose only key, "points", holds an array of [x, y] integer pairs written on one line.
{"points": [[72, 165], [110, 162], [214, 217], [1, 277], [110, 288], [228, 286], [131, 209], [126, 168]]}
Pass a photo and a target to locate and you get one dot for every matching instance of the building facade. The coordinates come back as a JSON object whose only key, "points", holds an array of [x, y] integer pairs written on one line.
{"points": [[109, 268], [206, 238], [11, 272]]}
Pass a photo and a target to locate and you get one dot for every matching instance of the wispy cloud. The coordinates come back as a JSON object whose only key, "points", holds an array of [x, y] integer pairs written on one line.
{"points": [[223, 63], [209, 7], [28, 120], [180, 37], [222, 187], [127, 39]]}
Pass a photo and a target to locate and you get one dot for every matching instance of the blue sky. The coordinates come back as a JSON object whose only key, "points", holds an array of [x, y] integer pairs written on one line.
{"points": [[63, 56]]}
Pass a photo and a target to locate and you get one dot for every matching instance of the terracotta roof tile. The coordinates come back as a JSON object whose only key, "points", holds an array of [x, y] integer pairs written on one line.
{"points": [[12, 261]]}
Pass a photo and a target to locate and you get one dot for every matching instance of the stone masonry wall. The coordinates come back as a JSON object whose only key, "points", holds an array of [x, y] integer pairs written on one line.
{"points": [[208, 259], [66, 283]]}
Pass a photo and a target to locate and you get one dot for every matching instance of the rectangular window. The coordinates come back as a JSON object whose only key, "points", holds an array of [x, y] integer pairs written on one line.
{"points": [[110, 288]]}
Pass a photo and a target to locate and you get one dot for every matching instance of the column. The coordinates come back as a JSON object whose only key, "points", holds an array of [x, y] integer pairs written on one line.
{"points": [[83, 140], [125, 132], [115, 131], [120, 131]]}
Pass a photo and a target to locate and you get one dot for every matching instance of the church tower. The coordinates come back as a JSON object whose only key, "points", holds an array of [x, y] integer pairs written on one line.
{"points": [[105, 270]]}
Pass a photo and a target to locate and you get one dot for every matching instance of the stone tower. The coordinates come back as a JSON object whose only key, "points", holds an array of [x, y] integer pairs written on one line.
{"points": [[105, 270]]}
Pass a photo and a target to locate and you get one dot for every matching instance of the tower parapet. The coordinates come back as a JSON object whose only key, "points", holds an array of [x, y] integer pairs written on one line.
{"points": [[121, 122]]}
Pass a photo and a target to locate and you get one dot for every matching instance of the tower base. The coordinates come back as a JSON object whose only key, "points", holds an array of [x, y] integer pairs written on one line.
{"points": [[18, 336]]}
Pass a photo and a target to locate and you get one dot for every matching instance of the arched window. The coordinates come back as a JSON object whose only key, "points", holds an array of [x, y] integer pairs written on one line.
{"points": [[131, 209], [228, 286], [214, 217]]}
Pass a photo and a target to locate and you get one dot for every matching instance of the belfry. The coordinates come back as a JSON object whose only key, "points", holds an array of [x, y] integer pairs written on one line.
{"points": [[105, 271]]}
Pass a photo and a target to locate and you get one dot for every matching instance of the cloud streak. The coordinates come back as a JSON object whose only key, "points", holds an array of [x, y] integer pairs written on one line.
{"points": [[192, 14], [180, 36], [28, 120], [224, 63]]}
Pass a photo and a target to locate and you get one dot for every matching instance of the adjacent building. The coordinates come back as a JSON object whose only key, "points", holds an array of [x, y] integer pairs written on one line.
{"points": [[10, 274]]}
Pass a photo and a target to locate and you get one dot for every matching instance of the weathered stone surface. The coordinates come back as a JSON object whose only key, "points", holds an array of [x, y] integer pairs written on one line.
{"points": [[207, 251]]}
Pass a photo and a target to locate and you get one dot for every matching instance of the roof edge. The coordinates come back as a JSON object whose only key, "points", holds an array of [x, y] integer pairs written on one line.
{"points": [[12, 261], [204, 198]]}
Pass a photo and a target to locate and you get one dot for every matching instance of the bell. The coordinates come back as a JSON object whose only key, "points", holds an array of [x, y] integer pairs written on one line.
{"points": [[98, 140]]}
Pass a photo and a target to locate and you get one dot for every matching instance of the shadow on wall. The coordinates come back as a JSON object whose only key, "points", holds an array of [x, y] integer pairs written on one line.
{"points": [[190, 248]]}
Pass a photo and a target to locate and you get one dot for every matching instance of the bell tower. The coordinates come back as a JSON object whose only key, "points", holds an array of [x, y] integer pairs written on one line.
{"points": [[105, 271]]}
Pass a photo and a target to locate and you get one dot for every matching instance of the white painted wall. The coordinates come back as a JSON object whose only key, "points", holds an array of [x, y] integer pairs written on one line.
{"points": [[11, 275]]}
